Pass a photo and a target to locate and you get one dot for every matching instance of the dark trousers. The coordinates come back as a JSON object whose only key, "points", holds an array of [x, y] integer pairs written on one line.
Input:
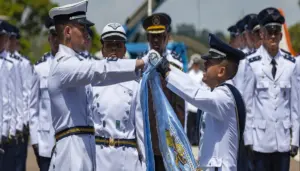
{"points": [[43, 162], [21, 153], [8, 159], [193, 127], [159, 163], [272, 161]]}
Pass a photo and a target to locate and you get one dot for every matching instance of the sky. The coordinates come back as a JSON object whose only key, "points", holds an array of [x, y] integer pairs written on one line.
{"points": [[215, 15]]}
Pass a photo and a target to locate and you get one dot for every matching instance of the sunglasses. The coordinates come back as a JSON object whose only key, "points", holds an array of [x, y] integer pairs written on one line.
{"points": [[273, 30]]}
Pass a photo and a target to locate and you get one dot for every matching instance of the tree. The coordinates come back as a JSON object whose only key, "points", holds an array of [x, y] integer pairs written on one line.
{"points": [[294, 31], [29, 16]]}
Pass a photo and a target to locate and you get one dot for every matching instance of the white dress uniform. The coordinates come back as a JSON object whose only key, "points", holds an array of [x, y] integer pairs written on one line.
{"points": [[13, 117], [45, 131], [197, 77], [19, 112], [219, 142], [115, 118], [272, 104], [239, 79], [26, 73], [6, 87], [69, 74]]}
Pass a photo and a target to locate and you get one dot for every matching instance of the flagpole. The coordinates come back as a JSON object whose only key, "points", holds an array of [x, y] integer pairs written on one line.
{"points": [[149, 7]]}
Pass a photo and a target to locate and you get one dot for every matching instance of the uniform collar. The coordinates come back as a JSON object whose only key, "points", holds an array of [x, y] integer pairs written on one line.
{"points": [[3, 53], [66, 50], [269, 57]]}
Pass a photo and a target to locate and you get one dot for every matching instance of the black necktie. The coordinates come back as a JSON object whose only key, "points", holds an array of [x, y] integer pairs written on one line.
{"points": [[274, 69]]}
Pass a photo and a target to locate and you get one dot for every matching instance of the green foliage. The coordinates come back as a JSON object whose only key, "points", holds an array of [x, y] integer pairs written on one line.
{"points": [[294, 31], [96, 44]]}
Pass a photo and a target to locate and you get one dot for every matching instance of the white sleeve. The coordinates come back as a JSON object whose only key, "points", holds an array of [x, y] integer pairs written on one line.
{"points": [[8, 101], [295, 115], [73, 72], [139, 126], [25, 74], [34, 108], [19, 99], [249, 98], [215, 103]]}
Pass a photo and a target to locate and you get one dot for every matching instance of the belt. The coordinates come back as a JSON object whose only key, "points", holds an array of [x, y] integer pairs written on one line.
{"points": [[78, 130], [115, 142]]}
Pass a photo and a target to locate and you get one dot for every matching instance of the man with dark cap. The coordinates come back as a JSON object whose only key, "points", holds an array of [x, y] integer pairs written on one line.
{"points": [[234, 40], [248, 33], [25, 68], [69, 75], [41, 101], [8, 96], [221, 145], [253, 28], [272, 99], [241, 36], [157, 26], [15, 156]]}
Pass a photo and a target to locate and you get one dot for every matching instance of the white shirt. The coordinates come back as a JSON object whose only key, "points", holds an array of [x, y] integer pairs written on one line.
{"points": [[197, 77], [219, 143], [68, 76]]}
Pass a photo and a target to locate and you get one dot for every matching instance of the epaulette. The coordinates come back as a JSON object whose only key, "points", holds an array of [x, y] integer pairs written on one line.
{"points": [[286, 52], [255, 58], [176, 56], [290, 58], [94, 57], [176, 66], [1, 57], [16, 57], [43, 58], [250, 53]]}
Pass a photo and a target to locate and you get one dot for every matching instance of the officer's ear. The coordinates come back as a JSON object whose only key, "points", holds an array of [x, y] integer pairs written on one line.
{"points": [[261, 33], [222, 71], [68, 32]]}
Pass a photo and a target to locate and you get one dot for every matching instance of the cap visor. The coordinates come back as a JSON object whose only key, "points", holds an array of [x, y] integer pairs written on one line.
{"points": [[206, 56], [86, 22]]}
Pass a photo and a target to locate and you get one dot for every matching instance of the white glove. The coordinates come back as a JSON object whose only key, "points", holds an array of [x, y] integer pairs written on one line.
{"points": [[154, 57]]}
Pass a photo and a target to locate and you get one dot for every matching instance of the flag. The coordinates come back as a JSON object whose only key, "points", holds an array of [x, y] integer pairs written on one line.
{"points": [[173, 142]]}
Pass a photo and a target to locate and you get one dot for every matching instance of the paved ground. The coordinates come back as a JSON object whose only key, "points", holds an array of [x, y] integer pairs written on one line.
{"points": [[32, 166]]}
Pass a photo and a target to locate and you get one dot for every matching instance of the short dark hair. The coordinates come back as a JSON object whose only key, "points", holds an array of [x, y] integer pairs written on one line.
{"points": [[231, 67]]}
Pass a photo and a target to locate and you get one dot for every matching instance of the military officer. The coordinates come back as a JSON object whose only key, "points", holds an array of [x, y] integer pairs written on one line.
{"points": [[69, 74], [26, 73], [271, 98], [40, 98], [234, 40], [10, 129], [157, 28], [7, 96], [253, 28], [241, 36], [248, 32], [115, 118], [224, 110]]}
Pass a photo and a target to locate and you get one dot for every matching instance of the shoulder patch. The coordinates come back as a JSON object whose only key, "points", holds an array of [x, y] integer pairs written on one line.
{"points": [[286, 52], [176, 56], [255, 58], [15, 57], [176, 66], [6, 59], [250, 53], [60, 58], [290, 58], [43, 58]]}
